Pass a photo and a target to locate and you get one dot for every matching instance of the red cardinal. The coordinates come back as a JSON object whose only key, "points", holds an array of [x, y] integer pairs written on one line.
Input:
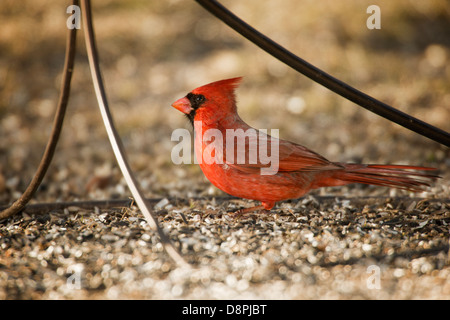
{"points": [[212, 111]]}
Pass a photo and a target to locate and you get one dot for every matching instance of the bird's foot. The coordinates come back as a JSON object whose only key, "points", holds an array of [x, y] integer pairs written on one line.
{"points": [[241, 212]]}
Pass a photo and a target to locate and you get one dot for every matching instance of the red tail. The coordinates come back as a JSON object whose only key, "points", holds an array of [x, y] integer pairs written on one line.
{"points": [[395, 176]]}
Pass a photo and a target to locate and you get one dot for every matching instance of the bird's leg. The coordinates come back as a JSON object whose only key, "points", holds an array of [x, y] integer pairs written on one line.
{"points": [[265, 207], [239, 213]]}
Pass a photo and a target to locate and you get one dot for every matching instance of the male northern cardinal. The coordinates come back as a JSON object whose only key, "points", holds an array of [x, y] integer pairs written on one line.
{"points": [[212, 111]]}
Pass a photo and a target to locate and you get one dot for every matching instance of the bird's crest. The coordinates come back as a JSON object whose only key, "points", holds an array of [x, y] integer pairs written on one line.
{"points": [[231, 83], [225, 86]]}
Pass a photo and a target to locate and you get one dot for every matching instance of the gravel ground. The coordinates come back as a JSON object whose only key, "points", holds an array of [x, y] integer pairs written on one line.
{"points": [[353, 242], [312, 248]]}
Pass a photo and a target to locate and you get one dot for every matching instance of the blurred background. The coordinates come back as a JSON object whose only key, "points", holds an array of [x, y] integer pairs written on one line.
{"points": [[154, 52]]}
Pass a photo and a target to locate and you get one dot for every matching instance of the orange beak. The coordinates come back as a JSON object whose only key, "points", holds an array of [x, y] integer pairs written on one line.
{"points": [[183, 104]]}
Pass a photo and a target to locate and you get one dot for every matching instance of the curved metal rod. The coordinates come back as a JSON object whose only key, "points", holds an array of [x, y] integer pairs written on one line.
{"points": [[323, 78], [20, 203], [114, 137]]}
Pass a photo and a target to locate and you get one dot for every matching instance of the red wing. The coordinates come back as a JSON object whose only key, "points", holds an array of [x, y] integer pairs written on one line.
{"points": [[290, 156]]}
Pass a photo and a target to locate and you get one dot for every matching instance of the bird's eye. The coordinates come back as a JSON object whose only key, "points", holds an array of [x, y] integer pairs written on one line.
{"points": [[196, 99]]}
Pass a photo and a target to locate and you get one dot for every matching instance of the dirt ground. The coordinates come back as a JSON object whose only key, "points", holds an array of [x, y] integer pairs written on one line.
{"points": [[353, 242]]}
